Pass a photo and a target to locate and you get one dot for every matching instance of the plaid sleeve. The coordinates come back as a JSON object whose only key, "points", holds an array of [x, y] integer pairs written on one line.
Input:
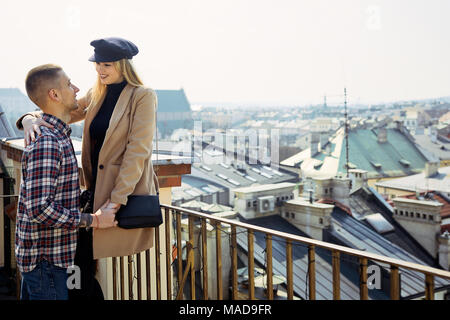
{"points": [[42, 172]]}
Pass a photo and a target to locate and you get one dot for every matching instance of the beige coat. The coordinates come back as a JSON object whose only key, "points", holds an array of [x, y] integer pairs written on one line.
{"points": [[125, 165]]}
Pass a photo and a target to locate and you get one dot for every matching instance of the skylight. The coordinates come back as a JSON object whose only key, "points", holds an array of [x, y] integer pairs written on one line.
{"points": [[222, 176], [234, 182], [206, 168]]}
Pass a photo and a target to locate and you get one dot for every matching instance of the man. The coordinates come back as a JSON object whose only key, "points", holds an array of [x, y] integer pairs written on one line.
{"points": [[48, 215]]}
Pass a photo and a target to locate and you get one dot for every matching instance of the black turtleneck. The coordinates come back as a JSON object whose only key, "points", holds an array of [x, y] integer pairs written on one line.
{"points": [[100, 123]]}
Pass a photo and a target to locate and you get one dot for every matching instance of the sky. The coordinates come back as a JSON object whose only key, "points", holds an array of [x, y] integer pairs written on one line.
{"points": [[289, 52]]}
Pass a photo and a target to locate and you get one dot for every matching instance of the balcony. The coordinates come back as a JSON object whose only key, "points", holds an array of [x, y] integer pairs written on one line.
{"points": [[203, 256]]}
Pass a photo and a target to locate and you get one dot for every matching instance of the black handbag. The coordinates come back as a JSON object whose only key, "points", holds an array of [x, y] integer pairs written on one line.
{"points": [[141, 211]]}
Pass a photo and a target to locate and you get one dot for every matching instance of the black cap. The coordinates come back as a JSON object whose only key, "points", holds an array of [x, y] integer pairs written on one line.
{"points": [[112, 49]]}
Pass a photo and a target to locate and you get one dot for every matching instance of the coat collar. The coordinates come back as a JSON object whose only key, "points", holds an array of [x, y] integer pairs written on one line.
{"points": [[119, 109]]}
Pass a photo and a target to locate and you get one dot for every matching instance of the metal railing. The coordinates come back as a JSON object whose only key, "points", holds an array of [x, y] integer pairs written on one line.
{"points": [[202, 220]]}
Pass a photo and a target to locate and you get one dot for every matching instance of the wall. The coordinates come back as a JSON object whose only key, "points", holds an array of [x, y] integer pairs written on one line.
{"points": [[424, 228]]}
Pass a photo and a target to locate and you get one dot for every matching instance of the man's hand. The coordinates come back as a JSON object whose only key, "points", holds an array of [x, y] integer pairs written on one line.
{"points": [[104, 217], [31, 128]]}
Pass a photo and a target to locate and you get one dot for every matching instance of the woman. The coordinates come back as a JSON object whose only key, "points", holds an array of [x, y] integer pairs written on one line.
{"points": [[119, 114]]}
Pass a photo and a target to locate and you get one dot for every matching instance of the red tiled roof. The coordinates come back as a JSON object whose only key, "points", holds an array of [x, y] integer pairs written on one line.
{"points": [[445, 227]]}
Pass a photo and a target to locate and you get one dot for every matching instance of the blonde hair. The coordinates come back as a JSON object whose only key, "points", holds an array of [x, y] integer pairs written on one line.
{"points": [[126, 69]]}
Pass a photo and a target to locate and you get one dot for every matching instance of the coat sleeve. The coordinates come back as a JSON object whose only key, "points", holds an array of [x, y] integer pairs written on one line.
{"points": [[139, 147]]}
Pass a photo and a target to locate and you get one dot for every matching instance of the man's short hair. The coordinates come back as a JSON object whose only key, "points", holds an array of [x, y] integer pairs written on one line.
{"points": [[40, 80]]}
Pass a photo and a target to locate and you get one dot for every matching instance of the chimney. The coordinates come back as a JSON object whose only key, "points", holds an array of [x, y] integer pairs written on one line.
{"points": [[444, 250], [311, 218], [341, 190], [422, 219], [382, 135], [336, 188], [358, 178], [431, 168]]}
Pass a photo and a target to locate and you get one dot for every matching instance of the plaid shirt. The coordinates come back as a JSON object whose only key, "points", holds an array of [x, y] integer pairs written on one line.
{"points": [[48, 212]]}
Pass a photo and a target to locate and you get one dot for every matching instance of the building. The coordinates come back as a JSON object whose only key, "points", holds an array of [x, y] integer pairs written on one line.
{"points": [[14, 103], [6, 130], [174, 112], [432, 142]]}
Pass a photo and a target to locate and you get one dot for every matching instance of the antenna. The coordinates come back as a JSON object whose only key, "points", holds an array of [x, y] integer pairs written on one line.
{"points": [[346, 128]]}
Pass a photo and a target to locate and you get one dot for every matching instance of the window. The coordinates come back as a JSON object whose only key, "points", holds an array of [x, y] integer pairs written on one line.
{"points": [[401, 213], [292, 215], [424, 216], [249, 204], [430, 217], [320, 220], [254, 203], [286, 215], [292, 196], [396, 211]]}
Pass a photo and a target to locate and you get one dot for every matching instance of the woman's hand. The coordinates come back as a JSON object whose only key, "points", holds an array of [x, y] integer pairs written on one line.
{"points": [[105, 216], [31, 128]]}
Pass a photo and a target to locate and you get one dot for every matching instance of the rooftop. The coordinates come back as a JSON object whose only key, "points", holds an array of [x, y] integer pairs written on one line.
{"points": [[417, 182], [399, 156]]}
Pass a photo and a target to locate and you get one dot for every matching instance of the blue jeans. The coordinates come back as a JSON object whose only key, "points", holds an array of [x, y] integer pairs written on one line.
{"points": [[44, 282]]}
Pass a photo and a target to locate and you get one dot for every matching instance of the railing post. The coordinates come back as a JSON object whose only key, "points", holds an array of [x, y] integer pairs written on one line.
{"points": [[234, 280], [130, 278], [251, 266], [219, 261], [395, 283], [114, 275], [138, 269], [168, 254], [363, 290], [269, 271], [179, 247], [148, 274], [204, 260], [336, 275], [122, 280], [191, 255], [312, 272], [158, 264], [289, 270], [429, 287]]}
